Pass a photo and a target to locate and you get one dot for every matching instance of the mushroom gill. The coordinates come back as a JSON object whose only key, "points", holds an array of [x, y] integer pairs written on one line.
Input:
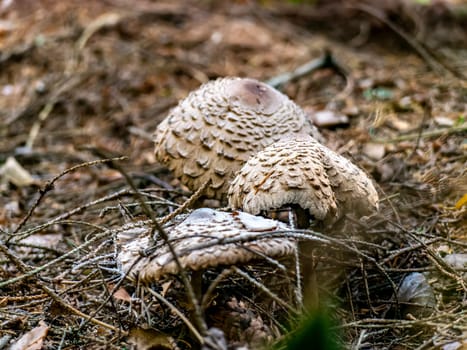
{"points": [[211, 133]]}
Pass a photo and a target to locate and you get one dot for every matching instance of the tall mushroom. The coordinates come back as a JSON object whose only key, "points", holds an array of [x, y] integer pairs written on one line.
{"points": [[307, 174], [198, 242], [216, 128]]}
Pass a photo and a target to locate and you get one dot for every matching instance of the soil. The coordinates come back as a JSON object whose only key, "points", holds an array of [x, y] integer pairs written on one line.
{"points": [[83, 85]]}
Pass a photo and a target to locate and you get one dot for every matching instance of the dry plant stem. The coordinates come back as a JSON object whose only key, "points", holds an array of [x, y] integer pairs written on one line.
{"points": [[67, 84], [69, 81], [391, 204], [440, 264], [272, 261], [187, 204], [430, 60], [367, 290], [21, 235], [198, 315], [307, 68], [33, 271], [112, 292], [361, 337], [265, 290], [8, 299], [326, 61], [438, 132], [349, 292], [375, 323], [49, 186], [31, 231], [207, 295], [398, 252], [25, 269], [306, 235], [179, 314], [298, 287]]}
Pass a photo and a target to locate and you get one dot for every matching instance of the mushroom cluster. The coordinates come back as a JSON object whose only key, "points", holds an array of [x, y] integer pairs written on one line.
{"points": [[254, 147], [216, 128]]}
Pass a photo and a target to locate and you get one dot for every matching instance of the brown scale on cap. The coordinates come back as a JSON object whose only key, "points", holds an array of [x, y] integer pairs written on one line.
{"points": [[304, 173], [202, 227], [211, 133]]}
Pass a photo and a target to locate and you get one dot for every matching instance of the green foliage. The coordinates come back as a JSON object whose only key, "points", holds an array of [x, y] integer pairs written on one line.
{"points": [[378, 93], [315, 332]]}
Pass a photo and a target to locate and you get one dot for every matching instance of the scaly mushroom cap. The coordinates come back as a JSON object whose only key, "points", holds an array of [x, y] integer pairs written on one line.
{"points": [[355, 193], [216, 128], [202, 227], [305, 173]]}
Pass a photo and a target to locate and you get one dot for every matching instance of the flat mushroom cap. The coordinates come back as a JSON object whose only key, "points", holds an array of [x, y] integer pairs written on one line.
{"points": [[216, 128], [202, 227], [306, 173]]}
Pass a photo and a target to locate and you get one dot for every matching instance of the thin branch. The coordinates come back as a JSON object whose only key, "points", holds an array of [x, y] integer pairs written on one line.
{"points": [[49, 186]]}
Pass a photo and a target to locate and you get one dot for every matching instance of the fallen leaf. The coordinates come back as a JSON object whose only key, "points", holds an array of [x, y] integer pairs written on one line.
{"points": [[461, 202], [165, 287], [145, 339], [49, 240], [33, 339], [122, 294], [13, 172]]}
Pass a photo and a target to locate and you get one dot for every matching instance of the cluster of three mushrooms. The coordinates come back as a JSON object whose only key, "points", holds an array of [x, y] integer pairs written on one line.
{"points": [[256, 147]]}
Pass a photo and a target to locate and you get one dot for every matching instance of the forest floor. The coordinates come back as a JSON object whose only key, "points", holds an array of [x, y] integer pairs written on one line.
{"points": [[81, 82]]}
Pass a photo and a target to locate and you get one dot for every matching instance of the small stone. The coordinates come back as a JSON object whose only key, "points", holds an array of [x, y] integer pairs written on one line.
{"points": [[326, 119], [374, 151]]}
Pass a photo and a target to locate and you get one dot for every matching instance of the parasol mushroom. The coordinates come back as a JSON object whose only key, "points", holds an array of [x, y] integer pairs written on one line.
{"points": [[211, 133], [305, 174], [313, 181], [197, 241]]}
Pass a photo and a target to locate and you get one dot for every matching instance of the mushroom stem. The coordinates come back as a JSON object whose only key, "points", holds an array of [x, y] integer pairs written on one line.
{"points": [[197, 283], [302, 217], [310, 287]]}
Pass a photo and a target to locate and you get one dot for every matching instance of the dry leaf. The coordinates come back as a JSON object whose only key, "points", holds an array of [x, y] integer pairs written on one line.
{"points": [[145, 339], [461, 202], [49, 240], [33, 339], [122, 294], [13, 172], [165, 287]]}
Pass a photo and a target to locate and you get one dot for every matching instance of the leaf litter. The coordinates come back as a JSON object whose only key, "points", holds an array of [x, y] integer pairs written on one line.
{"points": [[82, 82]]}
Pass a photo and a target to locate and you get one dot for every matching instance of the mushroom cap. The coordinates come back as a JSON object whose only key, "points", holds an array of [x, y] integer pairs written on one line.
{"points": [[355, 192], [306, 173], [203, 226], [216, 128]]}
